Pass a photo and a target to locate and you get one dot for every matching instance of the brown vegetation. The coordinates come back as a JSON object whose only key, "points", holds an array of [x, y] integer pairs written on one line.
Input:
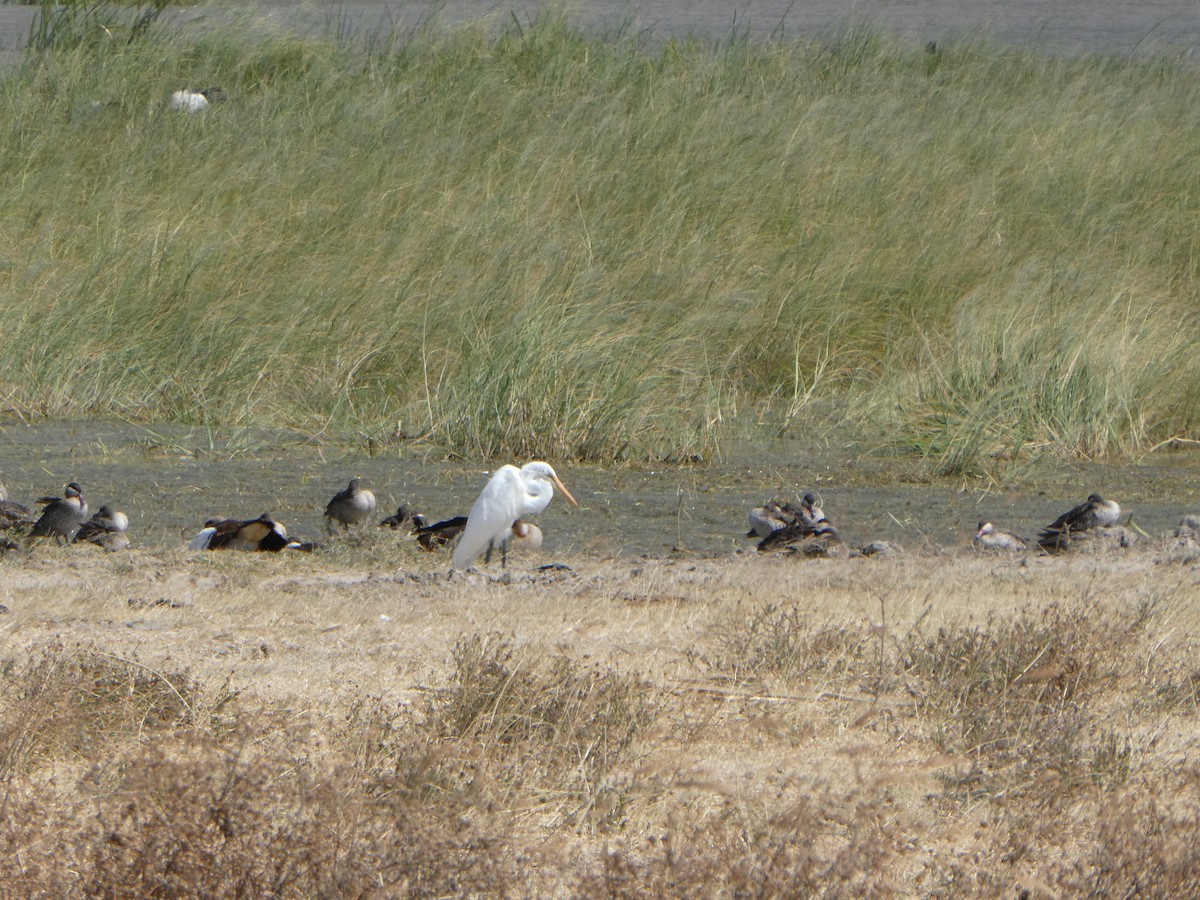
{"points": [[318, 726]]}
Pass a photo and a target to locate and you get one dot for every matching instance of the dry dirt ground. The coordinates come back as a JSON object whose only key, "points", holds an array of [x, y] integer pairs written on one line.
{"points": [[357, 722]]}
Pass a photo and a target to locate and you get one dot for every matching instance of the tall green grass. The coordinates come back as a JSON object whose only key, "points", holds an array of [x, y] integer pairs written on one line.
{"points": [[544, 243]]}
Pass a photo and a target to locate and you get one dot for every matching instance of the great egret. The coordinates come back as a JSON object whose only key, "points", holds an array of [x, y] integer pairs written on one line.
{"points": [[1095, 512], [62, 515], [989, 537], [350, 506], [105, 529], [510, 494]]}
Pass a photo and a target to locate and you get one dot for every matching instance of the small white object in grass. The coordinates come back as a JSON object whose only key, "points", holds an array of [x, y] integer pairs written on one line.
{"points": [[385, 618], [189, 101], [194, 101]]}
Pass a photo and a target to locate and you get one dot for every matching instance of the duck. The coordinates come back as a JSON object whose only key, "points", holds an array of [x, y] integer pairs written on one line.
{"points": [[775, 515], [1094, 512], [803, 527], [62, 515], [350, 506], [822, 541], [263, 533], [13, 514], [105, 529], [989, 537], [439, 534], [402, 518], [521, 536]]}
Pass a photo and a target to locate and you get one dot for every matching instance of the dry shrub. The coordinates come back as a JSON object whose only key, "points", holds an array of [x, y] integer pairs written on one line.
{"points": [[75, 703], [825, 844], [1015, 691], [193, 817], [782, 641], [1146, 846], [544, 725]]}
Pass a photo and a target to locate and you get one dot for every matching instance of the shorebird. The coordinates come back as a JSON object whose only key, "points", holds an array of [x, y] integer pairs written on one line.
{"points": [[62, 515], [263, 533], [350, 506], [509, 494], [105, 529], [989, 537], [1095, 512]]}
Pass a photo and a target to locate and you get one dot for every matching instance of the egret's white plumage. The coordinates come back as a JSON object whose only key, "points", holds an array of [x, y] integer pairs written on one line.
{"points": [[510, 494]]}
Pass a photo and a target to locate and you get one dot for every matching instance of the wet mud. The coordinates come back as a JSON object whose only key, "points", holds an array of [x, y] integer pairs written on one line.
{"points": [[170, 480], [1124, 27]]}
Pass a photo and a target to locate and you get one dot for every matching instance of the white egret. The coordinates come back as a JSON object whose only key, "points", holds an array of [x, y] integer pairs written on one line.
{"points": [[510, 494]]}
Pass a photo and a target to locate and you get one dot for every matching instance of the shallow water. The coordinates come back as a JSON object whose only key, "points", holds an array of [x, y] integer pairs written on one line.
{"points": [[169, 480], [1127, 27]]}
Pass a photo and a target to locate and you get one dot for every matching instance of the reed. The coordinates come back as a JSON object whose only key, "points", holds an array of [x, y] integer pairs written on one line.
{"points": [[533, 241]]}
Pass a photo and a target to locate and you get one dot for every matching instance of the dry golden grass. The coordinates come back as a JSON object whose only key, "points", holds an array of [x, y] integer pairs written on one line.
{"points": [[344, 725]]}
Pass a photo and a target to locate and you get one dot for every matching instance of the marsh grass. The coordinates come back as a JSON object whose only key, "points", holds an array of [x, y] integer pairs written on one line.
{"points": [[536, 242]]}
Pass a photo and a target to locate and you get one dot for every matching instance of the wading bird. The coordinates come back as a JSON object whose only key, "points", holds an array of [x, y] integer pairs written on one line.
{"points": [[350, 506], [510, 494], [62, 515], [1095, 512], [989, 537]]}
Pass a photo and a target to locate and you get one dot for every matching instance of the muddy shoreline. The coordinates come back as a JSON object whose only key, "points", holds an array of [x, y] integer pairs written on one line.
{"points": [[170, 479], [1070, 27]]}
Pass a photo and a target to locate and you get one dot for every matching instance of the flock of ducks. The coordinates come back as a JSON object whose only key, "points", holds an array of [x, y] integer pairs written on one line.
{"points": [[497, 522], [803, 529]]}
